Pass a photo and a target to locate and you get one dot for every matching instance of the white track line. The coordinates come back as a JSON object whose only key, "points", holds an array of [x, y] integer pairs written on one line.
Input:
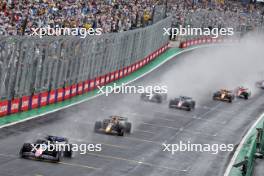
{"points": [[137, 162], [90, 98], [232, 162]]}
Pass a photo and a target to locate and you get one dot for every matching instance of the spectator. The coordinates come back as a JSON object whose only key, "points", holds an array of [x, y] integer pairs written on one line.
{"points": [[216, 14], [111, 16]]}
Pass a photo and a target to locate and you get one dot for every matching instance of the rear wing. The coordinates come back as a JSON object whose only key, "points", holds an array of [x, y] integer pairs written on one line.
{"points": [[56, 138], [119, 118]]}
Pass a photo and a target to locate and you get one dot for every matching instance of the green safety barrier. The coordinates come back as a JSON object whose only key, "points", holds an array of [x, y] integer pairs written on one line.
{"points": [[252, 148], [262, 139]]}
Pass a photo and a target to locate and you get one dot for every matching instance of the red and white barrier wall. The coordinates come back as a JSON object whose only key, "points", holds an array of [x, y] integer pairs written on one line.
{"points": [[26, 103], [205, 40]]}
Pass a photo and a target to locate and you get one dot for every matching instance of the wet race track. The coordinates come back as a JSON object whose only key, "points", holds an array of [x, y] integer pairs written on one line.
{"points": [[140, 153]]}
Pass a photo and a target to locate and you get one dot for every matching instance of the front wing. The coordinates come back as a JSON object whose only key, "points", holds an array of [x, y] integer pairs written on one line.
{"points": [[31, 155]]}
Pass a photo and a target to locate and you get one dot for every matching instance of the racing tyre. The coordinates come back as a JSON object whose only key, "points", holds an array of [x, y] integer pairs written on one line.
{"points": [[121, 132], [193, 105], [25, 148], [57, 157], [246, 96], [97, 126], [170, 104], [128, 127], [68, 151]]}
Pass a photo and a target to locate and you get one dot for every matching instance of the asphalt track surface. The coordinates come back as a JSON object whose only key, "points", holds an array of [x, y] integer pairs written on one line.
{"points": [[259, 167], [138, 154]]}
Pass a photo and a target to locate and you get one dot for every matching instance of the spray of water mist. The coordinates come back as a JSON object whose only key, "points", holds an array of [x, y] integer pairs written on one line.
{"points": [[207, 70], [198, 75]]}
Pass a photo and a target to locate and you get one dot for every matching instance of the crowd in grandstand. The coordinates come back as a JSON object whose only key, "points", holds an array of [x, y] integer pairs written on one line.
{"points": [[20, 16], [217, 13]]}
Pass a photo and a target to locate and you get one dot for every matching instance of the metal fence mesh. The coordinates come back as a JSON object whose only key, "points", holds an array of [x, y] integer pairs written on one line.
{"points": [[29, 64]]}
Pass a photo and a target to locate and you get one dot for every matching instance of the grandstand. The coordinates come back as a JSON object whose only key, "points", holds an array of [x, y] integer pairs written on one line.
{"points": [[18, 17], [241, 17], [47, 85]]}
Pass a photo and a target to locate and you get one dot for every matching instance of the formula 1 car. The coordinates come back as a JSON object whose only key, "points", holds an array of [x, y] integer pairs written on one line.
{"points": [[242, 92], [182, 102], [154, 97], [113, 125], [51, 148], [260, 84], [224, 95]]}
